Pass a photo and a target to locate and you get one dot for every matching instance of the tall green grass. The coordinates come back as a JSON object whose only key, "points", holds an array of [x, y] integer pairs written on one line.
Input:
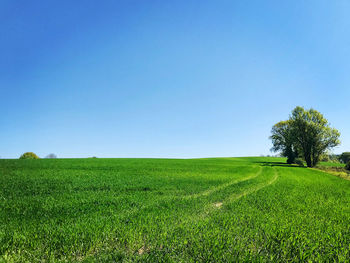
{"points": [[168, 210]]}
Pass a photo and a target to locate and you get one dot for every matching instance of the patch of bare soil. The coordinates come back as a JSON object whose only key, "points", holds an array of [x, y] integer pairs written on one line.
{"points": [[218, 205], [142, 250]]}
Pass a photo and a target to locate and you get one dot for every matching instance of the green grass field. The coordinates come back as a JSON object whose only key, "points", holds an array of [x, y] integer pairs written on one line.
{"points": [[171, 210]]}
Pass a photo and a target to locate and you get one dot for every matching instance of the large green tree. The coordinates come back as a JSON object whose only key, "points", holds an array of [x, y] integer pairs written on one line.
{"points": [[308, 133], [282, 141]]}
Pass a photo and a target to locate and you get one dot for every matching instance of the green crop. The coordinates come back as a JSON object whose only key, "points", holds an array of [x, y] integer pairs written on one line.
{"points": [[171, 210]]}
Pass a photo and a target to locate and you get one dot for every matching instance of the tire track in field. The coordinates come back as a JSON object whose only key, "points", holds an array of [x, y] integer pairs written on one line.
{"points": [[215, 206], [204, 193], [233, 198], [222, 186], [131, 212], [210, 208]]}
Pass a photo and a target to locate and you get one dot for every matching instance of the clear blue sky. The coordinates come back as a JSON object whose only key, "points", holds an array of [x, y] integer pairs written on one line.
{"points": [[167, 78]]}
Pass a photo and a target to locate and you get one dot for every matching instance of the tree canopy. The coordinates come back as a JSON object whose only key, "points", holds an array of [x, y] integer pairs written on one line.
{"points": [[29, 155], [306, 134]]}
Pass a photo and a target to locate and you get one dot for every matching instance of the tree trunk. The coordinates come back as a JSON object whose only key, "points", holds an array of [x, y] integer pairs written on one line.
{"points": [[308, 161]]}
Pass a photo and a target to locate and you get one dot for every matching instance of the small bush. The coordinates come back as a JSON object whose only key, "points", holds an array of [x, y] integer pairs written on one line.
{"points": [[299, 162], [345, 157], [51, 156], [29, 155], [290, 160], [334, 158], [347, 166], [325, 158]]}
